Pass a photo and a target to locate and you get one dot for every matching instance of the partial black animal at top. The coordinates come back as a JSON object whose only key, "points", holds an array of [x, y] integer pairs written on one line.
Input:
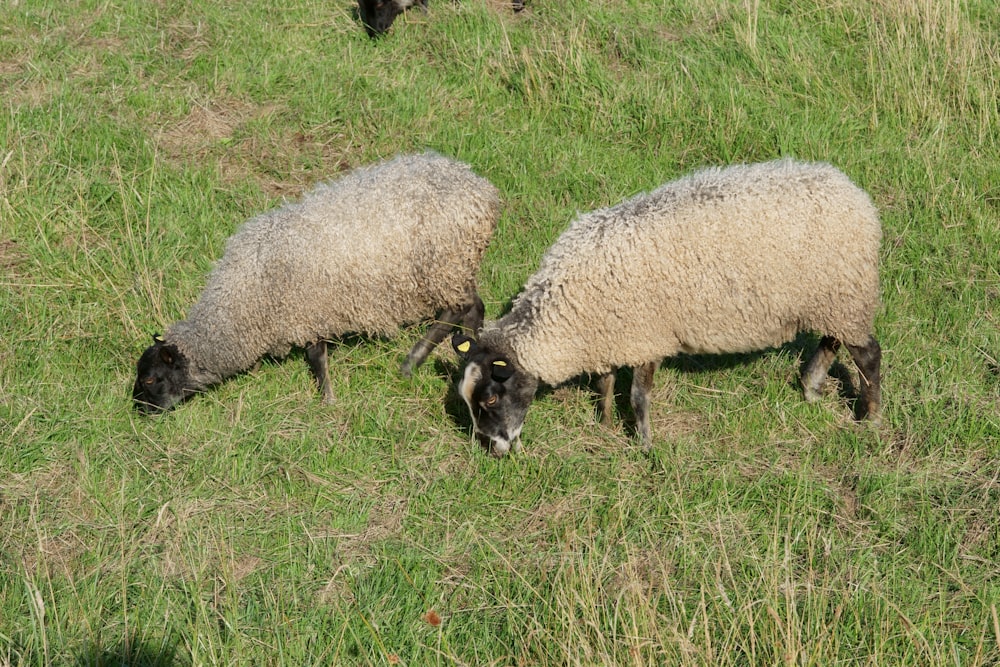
{"points": [[386, 245], [378, 15]]}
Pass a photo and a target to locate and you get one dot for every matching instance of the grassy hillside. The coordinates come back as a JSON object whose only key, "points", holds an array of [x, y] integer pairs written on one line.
{"points": [[254, 525]]}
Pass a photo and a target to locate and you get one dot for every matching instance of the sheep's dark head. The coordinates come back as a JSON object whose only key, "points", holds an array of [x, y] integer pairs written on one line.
{"points": [[498, 394], [162, 378], [378, 15]]}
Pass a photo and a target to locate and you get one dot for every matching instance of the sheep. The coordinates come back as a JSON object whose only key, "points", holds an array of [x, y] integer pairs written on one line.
{"points": [[377, 15], [383, 246], [725, 260]]}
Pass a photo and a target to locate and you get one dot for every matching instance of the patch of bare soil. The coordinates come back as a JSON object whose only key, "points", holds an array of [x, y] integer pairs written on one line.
{"points": [[185, 39], [38, 543], [12, 65], [643, 572], [283, 162], [286, 164], [336, 590], [12, 259], [674, 423], [29, 93], [385, 519], [24, 88], [189, 545], [193, 136], [549, 514]]}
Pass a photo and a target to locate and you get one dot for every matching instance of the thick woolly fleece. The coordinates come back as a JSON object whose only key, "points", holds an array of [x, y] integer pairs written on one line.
{"points": [[724, 260], [383, 246]]}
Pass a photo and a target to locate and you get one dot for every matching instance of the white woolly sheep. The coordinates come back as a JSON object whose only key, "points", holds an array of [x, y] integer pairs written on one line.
{"points": [[385, 245], [724, 260]]}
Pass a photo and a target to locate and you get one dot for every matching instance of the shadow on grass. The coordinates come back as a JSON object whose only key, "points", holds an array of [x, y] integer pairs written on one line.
{"points": [[803, 346], [454, 404], [135, 653]]}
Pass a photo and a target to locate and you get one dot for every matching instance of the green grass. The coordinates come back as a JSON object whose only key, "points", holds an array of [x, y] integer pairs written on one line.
{"points": [[254, 525]]}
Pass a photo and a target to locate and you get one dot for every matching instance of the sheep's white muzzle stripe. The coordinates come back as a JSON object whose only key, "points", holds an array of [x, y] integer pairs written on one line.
{"points": [[500, 446], [466, 387]]}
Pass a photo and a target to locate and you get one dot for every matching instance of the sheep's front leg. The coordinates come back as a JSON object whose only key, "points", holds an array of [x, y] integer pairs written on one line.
{"points": [[868, 358], [318, 364], [470, 317], [642, 384], [606, 395]]}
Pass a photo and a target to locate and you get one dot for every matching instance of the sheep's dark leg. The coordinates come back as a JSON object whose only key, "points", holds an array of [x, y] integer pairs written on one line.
{"points": [[472, 320], [642, 384], [469, 317], [814, 374], [436, 332], [868, 358], [606, 395], [318, 364]]}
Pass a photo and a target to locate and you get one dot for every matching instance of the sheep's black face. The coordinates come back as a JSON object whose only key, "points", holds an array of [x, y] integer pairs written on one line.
{"points": [[378, 15], [498, 395], [161, 378]]}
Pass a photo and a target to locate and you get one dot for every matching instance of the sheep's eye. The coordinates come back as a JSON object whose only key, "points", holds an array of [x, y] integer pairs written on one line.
{"points": [[491, 401], [149, 380]]}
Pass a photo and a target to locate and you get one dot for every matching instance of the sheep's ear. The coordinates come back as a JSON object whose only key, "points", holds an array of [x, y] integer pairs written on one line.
{"points": [[501, 370], [166, 356], [463, 344]]}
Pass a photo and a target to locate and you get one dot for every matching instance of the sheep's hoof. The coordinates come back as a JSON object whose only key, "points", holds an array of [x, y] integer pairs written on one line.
{"points": [[873, 417], [328, 398], [811, 395]]}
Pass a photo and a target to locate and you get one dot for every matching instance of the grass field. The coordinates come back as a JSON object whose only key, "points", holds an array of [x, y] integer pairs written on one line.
{"points": [[255, 526]]}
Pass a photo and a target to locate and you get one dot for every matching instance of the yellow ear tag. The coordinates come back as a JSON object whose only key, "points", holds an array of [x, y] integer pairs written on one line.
{"points": [[464, 346], [158, 338], [499, 362]]}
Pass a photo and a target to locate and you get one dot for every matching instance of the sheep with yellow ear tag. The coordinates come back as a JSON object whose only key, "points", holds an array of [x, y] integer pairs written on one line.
{"points": [[724, 260]]}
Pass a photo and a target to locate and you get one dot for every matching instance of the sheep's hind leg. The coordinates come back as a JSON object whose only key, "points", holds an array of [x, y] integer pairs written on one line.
{"points": [[470, 317], [868, 359], [318, 364], [642, 384], [606, 393], [814, 373]]}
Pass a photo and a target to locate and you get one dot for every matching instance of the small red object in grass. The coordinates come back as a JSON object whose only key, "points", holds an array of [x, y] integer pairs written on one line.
{"points": [[432, 618], [393, 659]]}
